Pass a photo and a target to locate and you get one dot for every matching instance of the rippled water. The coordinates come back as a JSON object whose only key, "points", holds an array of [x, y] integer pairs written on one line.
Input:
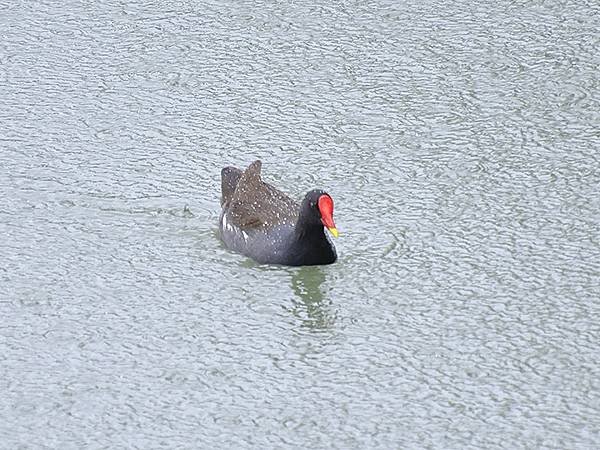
{"points": [[461, 143]]}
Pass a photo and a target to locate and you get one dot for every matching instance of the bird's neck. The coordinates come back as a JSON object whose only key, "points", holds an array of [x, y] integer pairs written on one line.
{"points": [[310, 231], [310, 243], [308, 228]]}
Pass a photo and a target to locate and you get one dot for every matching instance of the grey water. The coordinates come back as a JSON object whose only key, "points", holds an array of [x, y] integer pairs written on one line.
{"points": [[460, 142]]}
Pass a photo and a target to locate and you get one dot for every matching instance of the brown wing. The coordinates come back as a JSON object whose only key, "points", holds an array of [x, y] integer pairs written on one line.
{"points": [[258, 204], [230, 176]]}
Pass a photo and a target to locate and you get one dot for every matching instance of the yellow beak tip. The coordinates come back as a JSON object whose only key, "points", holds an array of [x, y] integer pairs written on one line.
{"points": [[334, 232]]}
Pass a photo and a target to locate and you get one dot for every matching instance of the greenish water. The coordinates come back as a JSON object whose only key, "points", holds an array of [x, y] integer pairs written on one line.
{"points": [[460, 143]]}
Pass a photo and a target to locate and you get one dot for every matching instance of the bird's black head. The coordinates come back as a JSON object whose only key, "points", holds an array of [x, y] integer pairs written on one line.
{"points": [[317, 208]]}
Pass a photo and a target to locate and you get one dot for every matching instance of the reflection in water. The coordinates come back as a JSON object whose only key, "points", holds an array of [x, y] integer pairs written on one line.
{"points": [[306, 283]]}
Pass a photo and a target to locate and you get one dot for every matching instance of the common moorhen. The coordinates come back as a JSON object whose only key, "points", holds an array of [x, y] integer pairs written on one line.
{"points": [[263, 223]]}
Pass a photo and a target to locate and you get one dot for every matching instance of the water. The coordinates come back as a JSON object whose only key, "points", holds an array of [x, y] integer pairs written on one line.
{"points": [[460, 142]]}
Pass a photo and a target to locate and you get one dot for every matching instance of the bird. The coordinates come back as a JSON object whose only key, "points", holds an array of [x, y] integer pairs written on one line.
{"points": [[266, 225]]}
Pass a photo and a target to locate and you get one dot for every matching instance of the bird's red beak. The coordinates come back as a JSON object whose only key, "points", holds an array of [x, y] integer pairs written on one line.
{"points": [[326, 208]]}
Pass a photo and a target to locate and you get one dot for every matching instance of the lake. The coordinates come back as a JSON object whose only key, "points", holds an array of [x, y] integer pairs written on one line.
{"points": [[460, 142]]}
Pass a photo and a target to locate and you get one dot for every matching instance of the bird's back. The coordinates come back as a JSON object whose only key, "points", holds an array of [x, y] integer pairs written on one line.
{"points": [[253, 203]]}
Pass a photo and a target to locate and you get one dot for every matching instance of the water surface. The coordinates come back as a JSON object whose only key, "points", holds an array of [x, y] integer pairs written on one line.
{"points": [[460, 142]]}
